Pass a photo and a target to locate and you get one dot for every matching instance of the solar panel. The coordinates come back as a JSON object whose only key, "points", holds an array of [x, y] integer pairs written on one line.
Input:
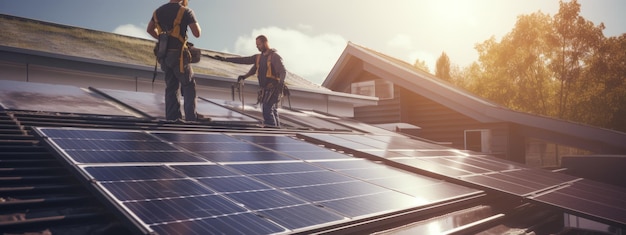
{"points": [[582, 197], [101, 146], [268, 187], [604, 201], [54, 98], [152, 105]]}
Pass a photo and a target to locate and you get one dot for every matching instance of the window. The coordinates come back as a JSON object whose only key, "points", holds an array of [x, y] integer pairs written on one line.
{"points": [[376, 88], [478, 140]]}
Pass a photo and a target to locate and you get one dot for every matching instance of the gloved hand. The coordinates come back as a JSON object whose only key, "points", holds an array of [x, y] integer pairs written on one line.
{"points": [[241, 77], [219, 57]]}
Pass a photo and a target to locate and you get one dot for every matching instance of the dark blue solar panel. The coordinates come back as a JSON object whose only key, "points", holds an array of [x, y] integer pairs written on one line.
{"points": [[379, 173], [377, 203], [485, 162], [302, 179], [254, 169], [233, 184], [352, 164], [244, 156], [196, 137], [139, 190], [266, 199], [96, 134], [88, 156], [317, 193], [504, 186], [300, 147], [220, 147], [390, 154], [608, 194], [257, 189], [326, 155], [246, 223], [301, 216], [433, 167], [566, 198], [345, 142], [110, 145], [116, 173], [204, 170], [542, 176], [174, 209], [267, 139], [456, 165]]}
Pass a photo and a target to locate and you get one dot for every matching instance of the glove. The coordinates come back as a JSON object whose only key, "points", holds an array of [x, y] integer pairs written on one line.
{"points": [[240, 78], [219, 57]]}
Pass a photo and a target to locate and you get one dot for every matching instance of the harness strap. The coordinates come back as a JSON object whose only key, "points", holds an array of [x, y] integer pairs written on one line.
{"points": [[175, 32], [269, 73]]}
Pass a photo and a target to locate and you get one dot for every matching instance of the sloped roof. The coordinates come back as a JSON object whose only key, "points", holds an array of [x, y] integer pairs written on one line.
{"points": [[362, 175], [97, 45], [358, 61]]}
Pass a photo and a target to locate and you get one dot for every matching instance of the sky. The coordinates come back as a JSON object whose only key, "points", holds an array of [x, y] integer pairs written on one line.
{"points": [[311, 35]]}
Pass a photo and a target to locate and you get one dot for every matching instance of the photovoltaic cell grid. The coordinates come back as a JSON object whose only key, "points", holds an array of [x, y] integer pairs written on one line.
{"points": [[585, 197], [239, 184]]}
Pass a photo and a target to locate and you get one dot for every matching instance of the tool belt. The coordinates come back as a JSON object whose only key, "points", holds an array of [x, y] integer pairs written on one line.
{"points": [[272, 92]]}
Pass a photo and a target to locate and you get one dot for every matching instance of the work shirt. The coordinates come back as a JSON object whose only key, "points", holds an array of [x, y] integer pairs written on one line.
{"points": [[166, 15], [278, 69]]}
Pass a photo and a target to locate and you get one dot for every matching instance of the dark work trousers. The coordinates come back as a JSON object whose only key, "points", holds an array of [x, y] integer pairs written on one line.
{"points": [[175, 82], [270, 110]]}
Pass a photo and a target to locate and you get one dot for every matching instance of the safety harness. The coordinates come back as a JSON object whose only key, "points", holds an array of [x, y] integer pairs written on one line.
{"points": [[175, 32], [269, 73]]}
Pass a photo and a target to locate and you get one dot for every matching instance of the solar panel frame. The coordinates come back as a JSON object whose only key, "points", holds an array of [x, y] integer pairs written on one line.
{"points": [[135, 187], [538, 185]]}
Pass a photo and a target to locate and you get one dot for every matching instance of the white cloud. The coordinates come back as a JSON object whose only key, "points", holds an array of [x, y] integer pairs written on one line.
{"points": [[132, 30], [311, 57]]}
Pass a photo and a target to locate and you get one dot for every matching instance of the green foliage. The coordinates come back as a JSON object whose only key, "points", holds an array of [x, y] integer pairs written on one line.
{"points": [[560, 66]]}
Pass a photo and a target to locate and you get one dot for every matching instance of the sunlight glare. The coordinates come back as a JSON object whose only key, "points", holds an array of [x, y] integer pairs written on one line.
{"points": [[454, 12]]}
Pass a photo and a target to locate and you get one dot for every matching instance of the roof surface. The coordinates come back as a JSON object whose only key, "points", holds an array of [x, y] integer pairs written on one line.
{"points": [[336, 181], [97, 45]]}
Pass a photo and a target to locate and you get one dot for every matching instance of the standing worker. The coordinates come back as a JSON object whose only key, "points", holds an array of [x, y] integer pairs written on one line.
{"points": [[269, 68], [173, 18]]}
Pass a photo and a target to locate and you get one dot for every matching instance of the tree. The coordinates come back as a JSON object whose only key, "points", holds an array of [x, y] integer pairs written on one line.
{"points": [[442, 69], [420, 64], [575, 41], [607, 79], [556, 66]]}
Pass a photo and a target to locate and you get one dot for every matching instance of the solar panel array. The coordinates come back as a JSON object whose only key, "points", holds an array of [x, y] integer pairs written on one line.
{"points": [[600, 201], [202, 183]]}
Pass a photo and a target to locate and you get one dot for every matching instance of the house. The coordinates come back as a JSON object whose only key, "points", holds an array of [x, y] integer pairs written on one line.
{"points": [[453, 116], [84, 149]]}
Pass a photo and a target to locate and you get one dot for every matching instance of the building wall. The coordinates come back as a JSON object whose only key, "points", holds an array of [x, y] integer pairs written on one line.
{"points": [[437, 122], [387, 111]]}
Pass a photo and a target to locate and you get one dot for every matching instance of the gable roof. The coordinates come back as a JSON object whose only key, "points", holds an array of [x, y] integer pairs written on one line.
{"points": [[358, 61]]}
